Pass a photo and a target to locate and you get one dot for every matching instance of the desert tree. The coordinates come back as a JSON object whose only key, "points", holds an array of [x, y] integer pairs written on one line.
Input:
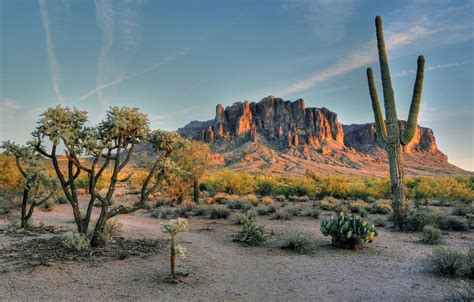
{"points": [[92, 150], [389, 133], [38, 186], [194, 160]]}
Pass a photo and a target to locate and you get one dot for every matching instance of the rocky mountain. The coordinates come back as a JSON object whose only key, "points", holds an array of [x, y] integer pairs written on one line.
{"points": [[286, 137]]}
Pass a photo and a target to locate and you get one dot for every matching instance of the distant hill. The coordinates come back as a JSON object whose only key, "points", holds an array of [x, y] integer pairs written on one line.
{"points": [[277, 136]]}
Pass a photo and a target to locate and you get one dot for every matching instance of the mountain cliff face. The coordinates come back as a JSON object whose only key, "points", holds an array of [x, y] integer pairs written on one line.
{"points": [[275, 130]]}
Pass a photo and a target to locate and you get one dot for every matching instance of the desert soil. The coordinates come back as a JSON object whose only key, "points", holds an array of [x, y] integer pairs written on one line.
{"points": [[390, 269]]}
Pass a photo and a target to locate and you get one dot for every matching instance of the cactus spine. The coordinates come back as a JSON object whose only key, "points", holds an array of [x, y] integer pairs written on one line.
{"points": [[388, 131]]}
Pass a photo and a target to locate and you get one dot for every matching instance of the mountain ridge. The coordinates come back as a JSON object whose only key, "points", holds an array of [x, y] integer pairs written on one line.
{"points": [[256, 135]]}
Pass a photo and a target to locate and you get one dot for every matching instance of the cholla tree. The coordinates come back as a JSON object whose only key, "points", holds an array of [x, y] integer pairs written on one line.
{"points": [[389, 133], [173, 228], [109, 145], [38, 186]]}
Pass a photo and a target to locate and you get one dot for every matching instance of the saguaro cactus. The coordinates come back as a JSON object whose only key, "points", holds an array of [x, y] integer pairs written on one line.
{"points": [[389, 133]]}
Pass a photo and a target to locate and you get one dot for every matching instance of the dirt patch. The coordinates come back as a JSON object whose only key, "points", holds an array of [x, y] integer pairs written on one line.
{"points": [[45, 251]]}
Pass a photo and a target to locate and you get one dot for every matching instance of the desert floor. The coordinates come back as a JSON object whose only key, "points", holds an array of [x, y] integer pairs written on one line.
{"points": [[390, 269]]}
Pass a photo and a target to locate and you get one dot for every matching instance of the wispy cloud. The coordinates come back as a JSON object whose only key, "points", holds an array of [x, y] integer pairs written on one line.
{"points": [[118, 23], [170, 115], [434, 67], [8, 105], [398, 35], [54, 68], [327, 18]]}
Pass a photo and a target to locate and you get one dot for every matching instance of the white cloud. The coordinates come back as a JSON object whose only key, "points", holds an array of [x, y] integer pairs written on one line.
{"points": [[432, 28], [54, 68], [327, 18]]}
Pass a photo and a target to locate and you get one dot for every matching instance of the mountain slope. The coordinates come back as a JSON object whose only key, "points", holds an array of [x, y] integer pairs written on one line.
{"points": [[277, 136]]}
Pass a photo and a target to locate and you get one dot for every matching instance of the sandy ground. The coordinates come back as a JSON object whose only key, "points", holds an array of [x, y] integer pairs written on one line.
{"points": [[389, 269]]}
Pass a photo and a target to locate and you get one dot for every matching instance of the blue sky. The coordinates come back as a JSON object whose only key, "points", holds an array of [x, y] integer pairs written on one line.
{"points": [[177, 59]]}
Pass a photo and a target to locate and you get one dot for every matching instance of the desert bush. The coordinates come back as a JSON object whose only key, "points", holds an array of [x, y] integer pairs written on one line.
{"points": [[239, 204], [282, 214], [453, 223], [417, 220], [61, 200], [293, 211], [280, 198], [380, 207], [380, 222], [348, 231], [329, 203], [77, 242], [252, 198], [430, 234], [298, 186], [311, 212], [266, 210], [201, 210], [231, 182], [462, 209], [357, 206], [251, 234], [298, 241], [447, 262], [267, 200], [48, 205], [218, 212], [168, 212], [463, 292], [243, 218]]}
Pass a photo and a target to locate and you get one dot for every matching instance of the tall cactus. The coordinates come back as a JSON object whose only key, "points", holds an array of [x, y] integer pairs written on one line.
{"points": [[388, 131]]}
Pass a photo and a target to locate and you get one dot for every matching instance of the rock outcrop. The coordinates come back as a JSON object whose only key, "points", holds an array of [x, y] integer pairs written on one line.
{"points": [[288, 137]]}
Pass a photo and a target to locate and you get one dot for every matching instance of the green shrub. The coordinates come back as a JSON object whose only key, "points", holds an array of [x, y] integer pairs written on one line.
{"points": [[76, 241], [112, 228], [219, 213], [312, 212], [298, 241], [293, 211], [348, 231], [358, 206], [282, 214], [61, 200], [462, 210], [243, 218], [453, 223], [417, 220], [201, 210], [229, 181], [167, 212], [251, 233], [266, 210], [430, 234], [463, 292], [239, 204], [447, 262]]}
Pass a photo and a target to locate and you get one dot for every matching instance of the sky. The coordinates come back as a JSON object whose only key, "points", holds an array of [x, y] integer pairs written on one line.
{"points": [[176, 60]]}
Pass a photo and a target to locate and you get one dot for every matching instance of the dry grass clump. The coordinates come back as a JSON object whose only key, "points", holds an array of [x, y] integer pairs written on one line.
{"points": [[430, 234], [298, 241], [267, 200], [218, 212], [451, 263], [380, 207], [330, 203], [266, 210], [311, 212]]}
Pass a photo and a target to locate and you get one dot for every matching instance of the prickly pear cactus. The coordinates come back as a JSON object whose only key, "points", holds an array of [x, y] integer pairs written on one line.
{"points": [[348, 231], [389, 133]]}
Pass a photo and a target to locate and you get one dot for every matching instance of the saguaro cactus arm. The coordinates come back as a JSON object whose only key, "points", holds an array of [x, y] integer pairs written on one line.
{"points": [[379, 122], [412, 121], [389, 96]]}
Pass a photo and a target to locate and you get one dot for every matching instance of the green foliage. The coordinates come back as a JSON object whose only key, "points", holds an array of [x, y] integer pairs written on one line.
{"points": [[174, 226], [239, 204], [231, 182], [218, 212], [243, 218], [298, 241], [76, 241], [283, 214], [430, 234], [348, 230], [169, 212], [251, 234], [311, 212], [447, 262], [417, 220], [266, 210], [462, 209]]}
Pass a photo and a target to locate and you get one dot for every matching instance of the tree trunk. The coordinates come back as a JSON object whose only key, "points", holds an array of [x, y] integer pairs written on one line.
{"points": [[196, 190], [397, 184], [173, 256], [24, 202], [97, 239]]}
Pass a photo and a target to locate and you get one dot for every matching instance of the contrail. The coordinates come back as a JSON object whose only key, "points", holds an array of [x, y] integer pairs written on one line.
{"points": [[54, 69]]}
